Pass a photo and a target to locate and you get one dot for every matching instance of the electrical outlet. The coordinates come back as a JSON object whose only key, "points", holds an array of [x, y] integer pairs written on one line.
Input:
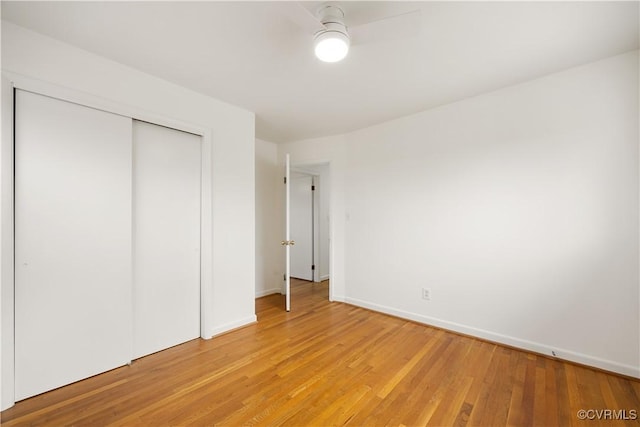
{"points": [[426, 294]]}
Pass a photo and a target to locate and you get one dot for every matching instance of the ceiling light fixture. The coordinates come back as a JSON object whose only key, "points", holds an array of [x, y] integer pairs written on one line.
{"points": [[332, 43]]}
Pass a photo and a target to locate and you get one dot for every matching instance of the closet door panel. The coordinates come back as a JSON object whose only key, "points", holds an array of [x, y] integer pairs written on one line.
{"points": [[73, 237], [166, 263]]}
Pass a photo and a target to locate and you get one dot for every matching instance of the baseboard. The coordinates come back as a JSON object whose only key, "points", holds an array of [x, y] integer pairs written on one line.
{"points": [[583, 359], [338, 298], [265, 292], [324, 277], [227, 327]]}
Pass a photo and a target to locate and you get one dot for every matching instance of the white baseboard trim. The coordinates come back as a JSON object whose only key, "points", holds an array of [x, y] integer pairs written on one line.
{"points": [[324, 277], [583, 359], [265, 292], [232, 325], [339, 298]]}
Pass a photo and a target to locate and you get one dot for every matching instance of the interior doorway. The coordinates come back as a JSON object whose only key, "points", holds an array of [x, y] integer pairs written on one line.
{"points": [[315, 241], [310, 223], [303, 227]]}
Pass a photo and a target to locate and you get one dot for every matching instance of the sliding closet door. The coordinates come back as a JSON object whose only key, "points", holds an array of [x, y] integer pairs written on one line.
{"points": [[166, 237], [72, 243]]}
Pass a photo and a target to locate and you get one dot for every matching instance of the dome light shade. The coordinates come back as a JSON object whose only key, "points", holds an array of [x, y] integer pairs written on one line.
{"points": [[331, 46]]}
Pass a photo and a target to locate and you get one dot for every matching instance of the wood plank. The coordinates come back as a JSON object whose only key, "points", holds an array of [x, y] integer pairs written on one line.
{"points": [[333, 364]]}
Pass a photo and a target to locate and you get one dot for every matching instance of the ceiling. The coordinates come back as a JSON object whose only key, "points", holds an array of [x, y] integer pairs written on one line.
{"points": [[254, 55]]}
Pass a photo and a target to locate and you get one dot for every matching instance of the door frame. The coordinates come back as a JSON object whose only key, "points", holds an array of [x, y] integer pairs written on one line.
{"points": [[9, 83]]}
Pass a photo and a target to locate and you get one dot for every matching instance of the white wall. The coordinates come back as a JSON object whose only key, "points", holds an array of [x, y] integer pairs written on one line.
{"points": [[517, 208], [230, 283], [6, 250], [269, 214]]}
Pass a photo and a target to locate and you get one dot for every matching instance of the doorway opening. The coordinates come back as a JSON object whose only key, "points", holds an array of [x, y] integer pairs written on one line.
{"points": [[310, 229]]}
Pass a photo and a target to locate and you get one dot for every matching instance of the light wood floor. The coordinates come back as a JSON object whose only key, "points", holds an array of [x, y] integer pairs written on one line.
{"points": [[333, 364]]}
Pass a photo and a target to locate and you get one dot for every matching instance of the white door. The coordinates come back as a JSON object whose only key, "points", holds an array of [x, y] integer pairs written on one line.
{"points": [[166, 212], [302, 226], [72, 243], [287, 242]]}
